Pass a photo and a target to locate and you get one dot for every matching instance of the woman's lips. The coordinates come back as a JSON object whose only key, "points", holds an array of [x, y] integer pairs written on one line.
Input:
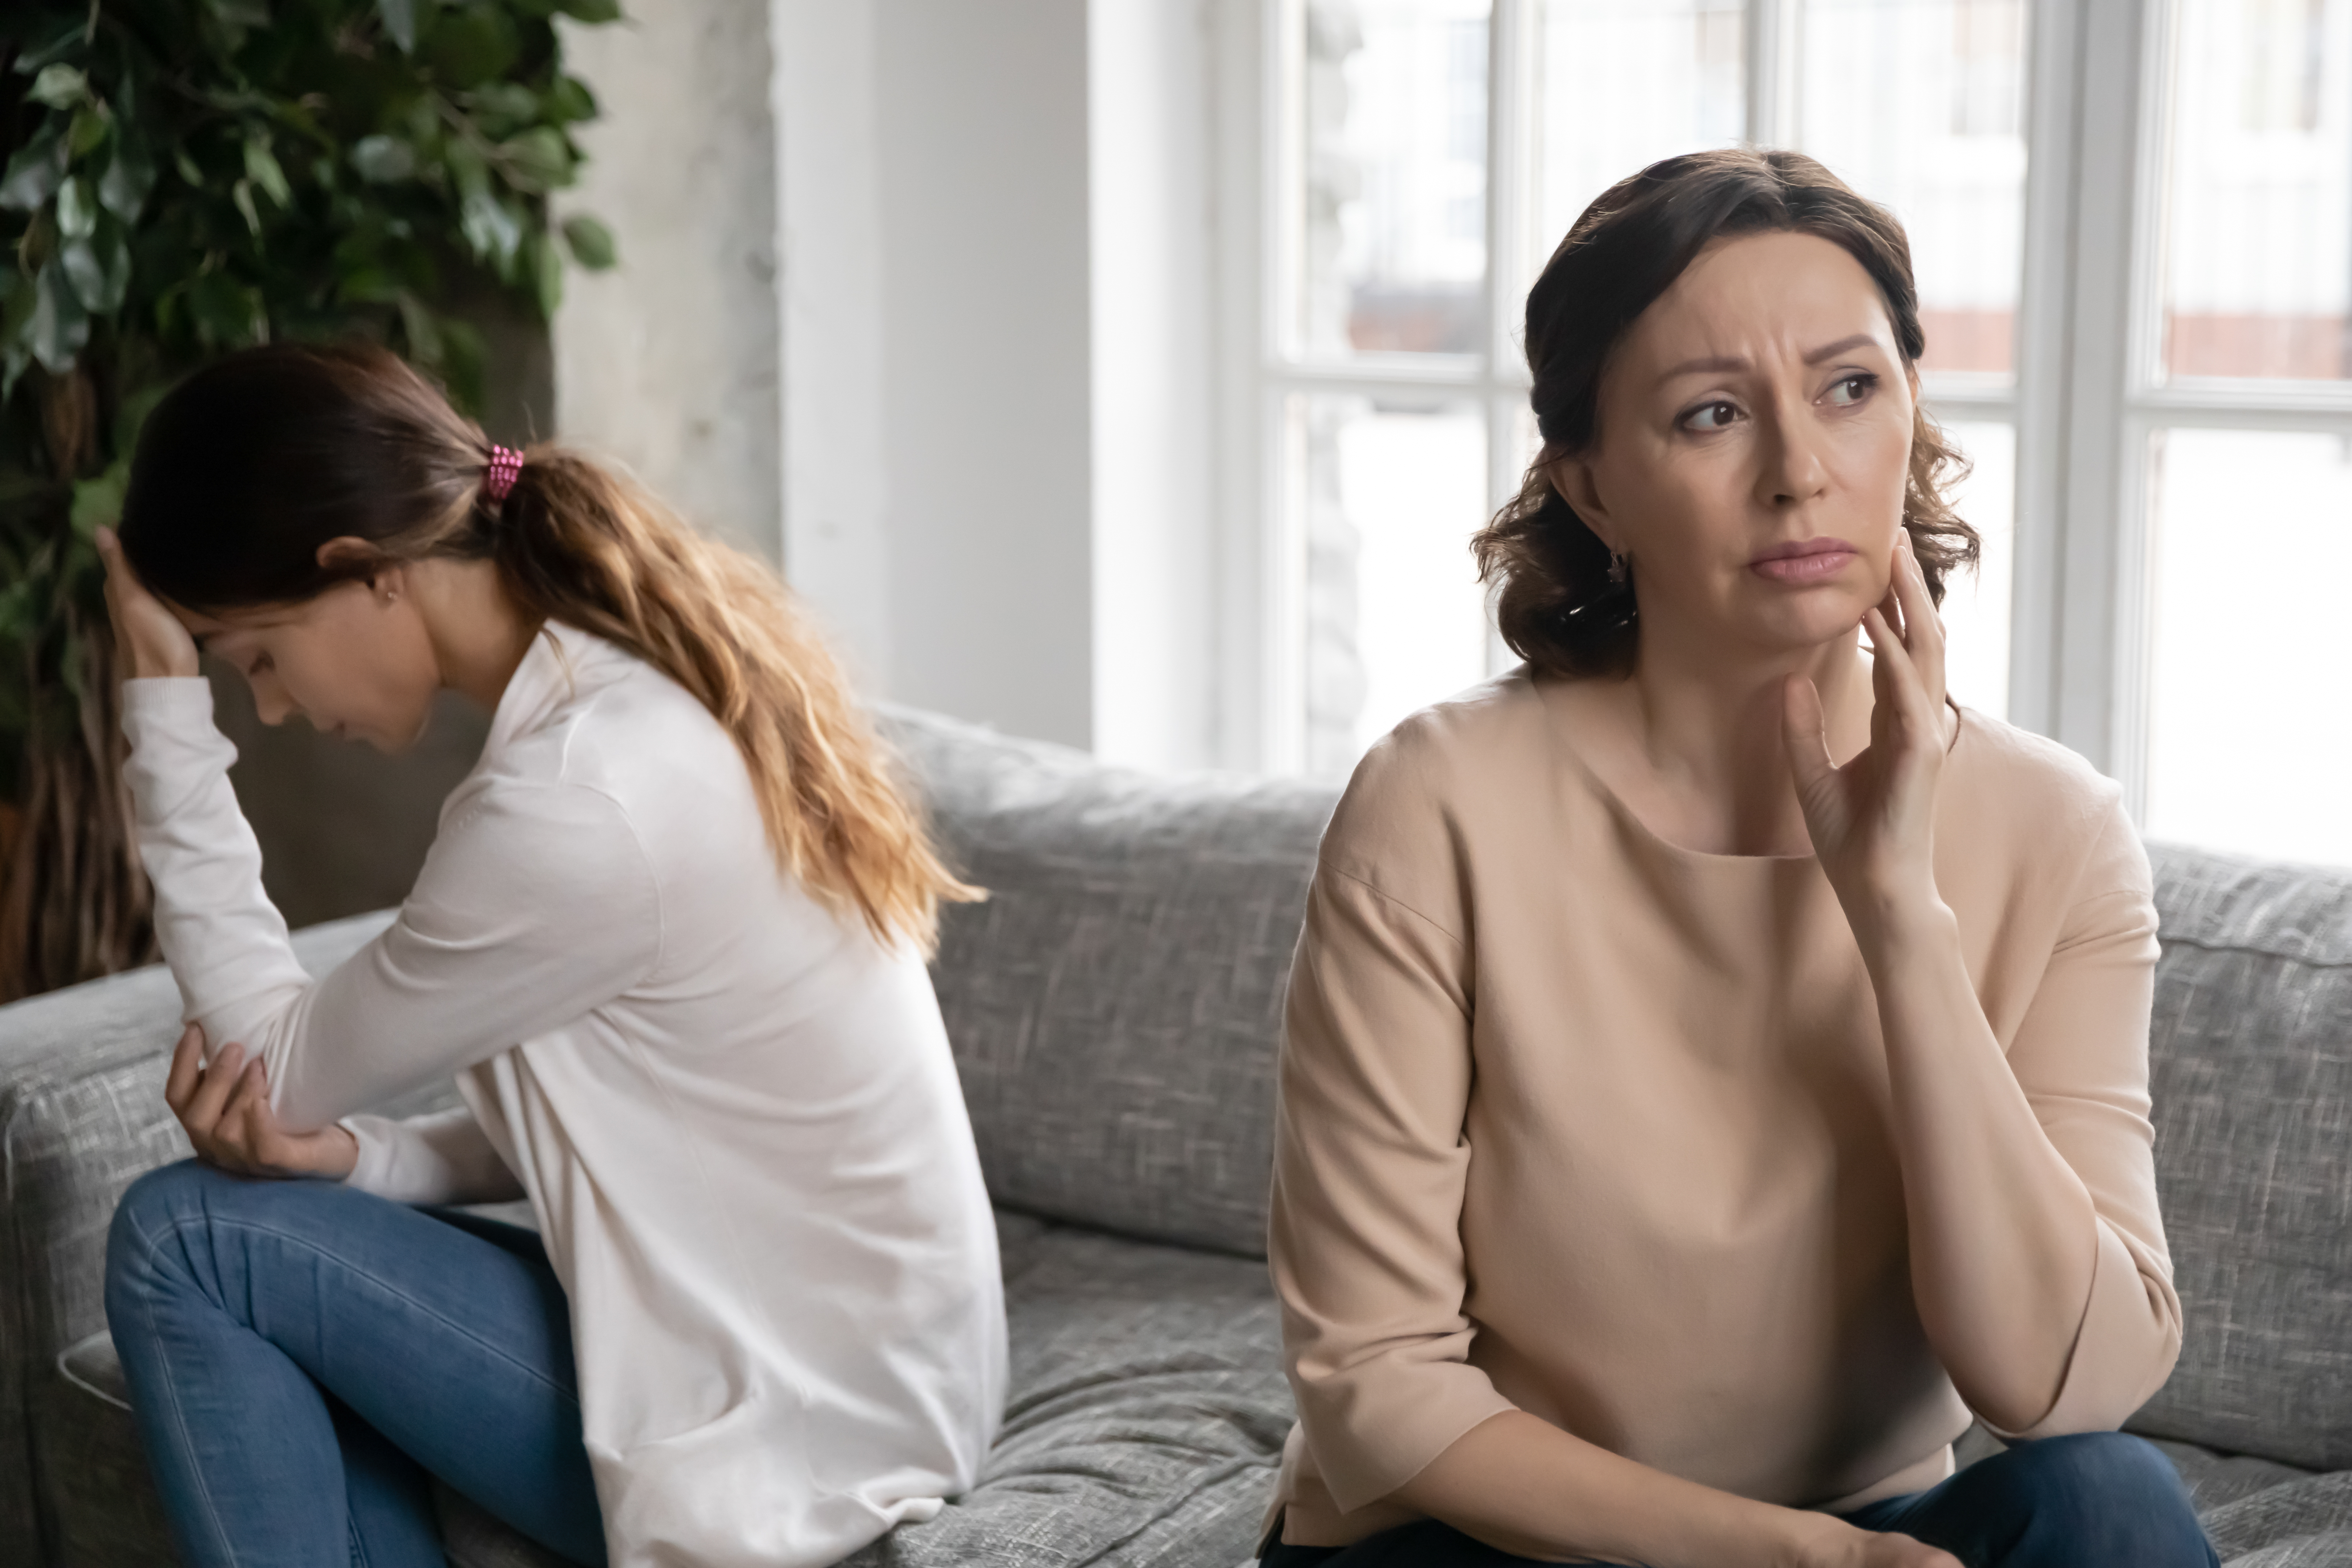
{"points": [[1804, 561]]}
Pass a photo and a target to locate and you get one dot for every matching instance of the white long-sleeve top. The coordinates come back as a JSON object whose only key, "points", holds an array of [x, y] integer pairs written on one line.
{"points": [[734, 1112]]}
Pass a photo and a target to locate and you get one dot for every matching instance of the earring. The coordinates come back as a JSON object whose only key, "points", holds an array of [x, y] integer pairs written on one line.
{"points": [[1617, 567]]}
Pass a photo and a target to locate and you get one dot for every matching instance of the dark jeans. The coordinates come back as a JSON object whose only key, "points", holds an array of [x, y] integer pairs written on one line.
{"points": [[301, 1357], [2096, 1501]]}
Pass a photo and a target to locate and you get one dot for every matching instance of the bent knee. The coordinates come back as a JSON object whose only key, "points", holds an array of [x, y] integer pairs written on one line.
{"points": [[156, 1206], [2119, 1489]]}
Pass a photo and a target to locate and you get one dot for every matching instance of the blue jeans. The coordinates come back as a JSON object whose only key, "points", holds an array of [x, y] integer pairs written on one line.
{"points": [[2099, 1500], [302, 1357]]}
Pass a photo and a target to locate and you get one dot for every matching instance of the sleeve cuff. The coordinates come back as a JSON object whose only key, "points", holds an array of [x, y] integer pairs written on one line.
{"points": [[162, 697], [374, 1163], [2123, 1353]]}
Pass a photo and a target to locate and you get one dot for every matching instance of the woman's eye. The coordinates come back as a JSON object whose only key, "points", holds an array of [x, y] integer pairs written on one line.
{"points": [[1710, 417], [1849, 390]]}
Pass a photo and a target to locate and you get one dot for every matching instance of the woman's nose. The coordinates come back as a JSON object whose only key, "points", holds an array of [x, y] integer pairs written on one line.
{"points": [[1791, 466]]}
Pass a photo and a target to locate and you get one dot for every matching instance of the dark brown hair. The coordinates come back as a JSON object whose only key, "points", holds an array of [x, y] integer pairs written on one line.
{"points": [[1557, 606], [251, 464]]}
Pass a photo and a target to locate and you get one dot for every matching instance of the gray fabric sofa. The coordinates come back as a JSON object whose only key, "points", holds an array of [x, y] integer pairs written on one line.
{"points": [[1114, 1009]]}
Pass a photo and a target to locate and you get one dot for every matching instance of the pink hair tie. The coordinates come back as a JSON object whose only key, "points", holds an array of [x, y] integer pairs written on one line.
{"points": [[498, 477]]}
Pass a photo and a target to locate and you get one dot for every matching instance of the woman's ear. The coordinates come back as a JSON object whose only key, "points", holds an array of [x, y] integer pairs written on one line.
{"points": [[358, 560], [1573, 480]]}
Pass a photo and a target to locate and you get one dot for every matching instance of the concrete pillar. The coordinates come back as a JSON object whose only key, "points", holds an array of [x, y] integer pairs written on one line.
{"points": [[670, 362]]}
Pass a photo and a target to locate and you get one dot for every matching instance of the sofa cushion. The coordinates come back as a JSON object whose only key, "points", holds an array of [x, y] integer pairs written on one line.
{"points": [[1145, 1422], [2251, 1068], [1116, 1003]]}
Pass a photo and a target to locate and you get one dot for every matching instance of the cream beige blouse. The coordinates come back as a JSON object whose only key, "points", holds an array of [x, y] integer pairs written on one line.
{"points": [[1579, 1123]]}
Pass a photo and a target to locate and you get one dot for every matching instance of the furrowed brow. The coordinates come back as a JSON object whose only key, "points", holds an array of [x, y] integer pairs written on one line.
{"points": [[1843, 345]]}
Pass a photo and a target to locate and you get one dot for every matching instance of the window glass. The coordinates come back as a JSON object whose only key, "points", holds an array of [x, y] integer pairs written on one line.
{"points": [[1395, 617], [1392, 169], [2250, 725], [1976, 604], [1620, 84], [2258, 215], [1920, 104]]}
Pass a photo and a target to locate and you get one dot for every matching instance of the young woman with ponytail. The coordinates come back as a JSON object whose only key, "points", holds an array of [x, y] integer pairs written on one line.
{"points": [[671, 943]]}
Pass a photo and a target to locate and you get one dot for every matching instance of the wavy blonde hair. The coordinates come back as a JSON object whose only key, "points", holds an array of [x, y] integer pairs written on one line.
{"points": [[255, 461]]}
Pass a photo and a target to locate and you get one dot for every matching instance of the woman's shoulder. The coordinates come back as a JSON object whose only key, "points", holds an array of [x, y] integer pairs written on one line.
{"points": [[2043, 803], [1438, 780]]}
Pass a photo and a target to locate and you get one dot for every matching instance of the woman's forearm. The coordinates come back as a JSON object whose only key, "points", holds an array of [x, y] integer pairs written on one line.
{"points": [[1518, 1483], [2004, 1234]]}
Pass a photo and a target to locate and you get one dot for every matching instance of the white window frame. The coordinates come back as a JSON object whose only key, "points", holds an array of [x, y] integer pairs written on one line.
{"points": [[2084, 401]]}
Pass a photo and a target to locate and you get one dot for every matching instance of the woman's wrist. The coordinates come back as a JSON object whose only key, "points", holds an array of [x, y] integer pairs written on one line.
{"points": [[1896, 922]]}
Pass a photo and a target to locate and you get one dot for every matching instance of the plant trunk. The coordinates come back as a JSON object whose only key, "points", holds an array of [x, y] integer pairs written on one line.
{"points": [[75, 903]]}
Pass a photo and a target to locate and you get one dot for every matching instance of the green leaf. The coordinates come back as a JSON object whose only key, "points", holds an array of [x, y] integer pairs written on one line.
{"points": [[99, 269], [237, 19], [546, 274], [33, 173], [16, 306], [381, 160], [98, 503], [60, 86], [227, 313], [591, 242], [506, 101], [490, 227], [242, 195], [130, 176], [65, 40], [261, 168], [569, 99], [77, 209], [537, 161], [399, 22], [591, 11], [469, 169], [91, 125], [187, 167], [471, 47], [423, 333], [60, 327]]}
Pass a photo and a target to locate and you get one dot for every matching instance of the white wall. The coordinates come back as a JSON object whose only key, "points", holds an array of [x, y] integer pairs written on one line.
{"points": [[937, 435], [1153, 228], [987, 468], [669, 362]]}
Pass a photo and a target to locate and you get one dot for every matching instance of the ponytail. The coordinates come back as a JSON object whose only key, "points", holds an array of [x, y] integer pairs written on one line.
{"points": [[581, 544], [251, 464]]}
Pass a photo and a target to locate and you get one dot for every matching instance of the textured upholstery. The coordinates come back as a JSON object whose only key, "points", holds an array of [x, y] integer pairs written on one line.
{"points": [[1146, 1415], [1114, 1011], [2252, 1056], [1116, 1003]]}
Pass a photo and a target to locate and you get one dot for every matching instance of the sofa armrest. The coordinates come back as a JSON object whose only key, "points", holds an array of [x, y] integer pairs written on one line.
{"points": [[81, 1117]]}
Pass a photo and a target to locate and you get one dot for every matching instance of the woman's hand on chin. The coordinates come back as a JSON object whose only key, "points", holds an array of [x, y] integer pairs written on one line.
{"points": [[149, 639], [1872, 820], [226, 1111]]}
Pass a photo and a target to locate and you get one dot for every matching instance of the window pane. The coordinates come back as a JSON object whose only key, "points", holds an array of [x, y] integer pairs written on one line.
{"points": [[1620, 84], [2259, 258], [1393, 164], [1975, 606], [1920, 104], [1395, 619], [2249, 735]]}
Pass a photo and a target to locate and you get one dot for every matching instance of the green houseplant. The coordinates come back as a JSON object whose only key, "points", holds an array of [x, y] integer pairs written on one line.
{"points": [[186, 177]]}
